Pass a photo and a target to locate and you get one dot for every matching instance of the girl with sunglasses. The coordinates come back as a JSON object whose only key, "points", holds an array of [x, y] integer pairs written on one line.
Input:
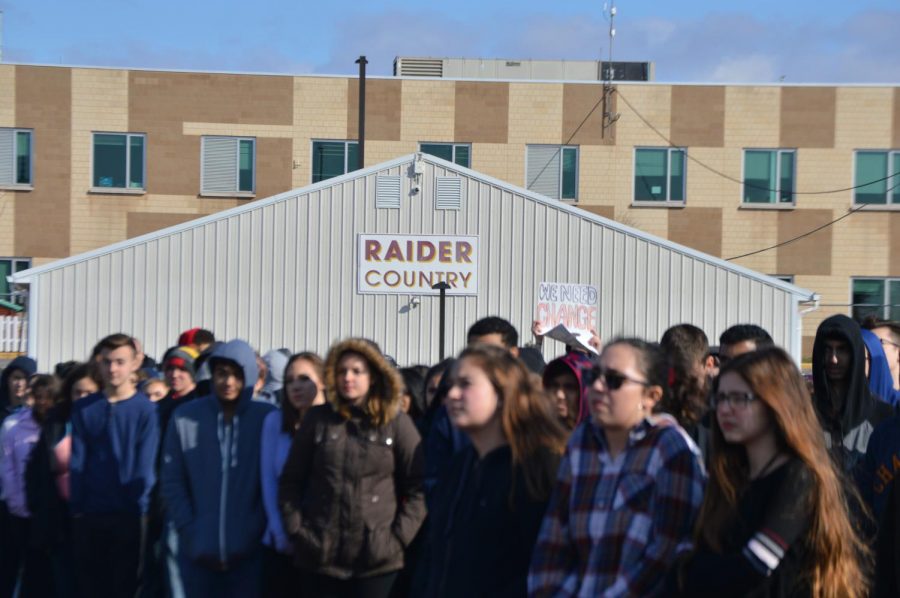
{"points": [[774, 520], [628, 489]]}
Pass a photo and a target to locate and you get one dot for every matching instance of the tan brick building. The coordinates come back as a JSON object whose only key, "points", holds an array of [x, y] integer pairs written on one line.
{"points": [[101, 155]]}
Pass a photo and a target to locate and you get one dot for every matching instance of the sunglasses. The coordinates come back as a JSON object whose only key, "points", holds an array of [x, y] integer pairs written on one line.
{"points": [[612, 379], [735, 400]]}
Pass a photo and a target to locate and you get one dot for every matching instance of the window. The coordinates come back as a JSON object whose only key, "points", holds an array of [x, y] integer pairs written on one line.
{"points": [[458, 153], [659, 174], [333, 158], [118, 161], [788, 278], [877, 166], [8, 266], [228, 165], [769, 176], [15, 157], [552, 170], [876, 296]]}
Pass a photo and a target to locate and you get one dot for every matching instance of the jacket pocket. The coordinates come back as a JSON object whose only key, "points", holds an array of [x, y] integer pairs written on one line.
{"points": [[309, 546], [382, 548]]}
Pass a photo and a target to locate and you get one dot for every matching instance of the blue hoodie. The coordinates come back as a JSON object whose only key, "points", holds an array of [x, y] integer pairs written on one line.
{"points": [[881, 382], [210, 479], [27, 365]]}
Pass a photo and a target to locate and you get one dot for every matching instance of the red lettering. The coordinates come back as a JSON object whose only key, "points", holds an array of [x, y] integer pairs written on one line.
{"points": [[465, 278], [426, 251], [369, 282], [463, 252], [451, 279], [396, 278], [393, 253], [372, 249], [445, 251]]}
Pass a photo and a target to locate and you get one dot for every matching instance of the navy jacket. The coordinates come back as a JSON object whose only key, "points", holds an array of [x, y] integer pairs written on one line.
{"points": [[210, 478], [113, 454]]}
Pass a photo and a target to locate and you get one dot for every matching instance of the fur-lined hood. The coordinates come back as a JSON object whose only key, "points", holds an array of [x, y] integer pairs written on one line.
{"points": [[391, 382]]}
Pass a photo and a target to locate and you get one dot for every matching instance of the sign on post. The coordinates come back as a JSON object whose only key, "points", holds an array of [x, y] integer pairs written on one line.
{"points": [[568, 312], [413, 264]]}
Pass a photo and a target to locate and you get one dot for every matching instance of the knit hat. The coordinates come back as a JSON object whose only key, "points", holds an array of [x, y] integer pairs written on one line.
{"points": [[187, 337], [182, 358]]}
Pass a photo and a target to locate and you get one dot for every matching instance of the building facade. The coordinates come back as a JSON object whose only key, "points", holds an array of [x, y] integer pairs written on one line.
{"points": [[90, 157]]}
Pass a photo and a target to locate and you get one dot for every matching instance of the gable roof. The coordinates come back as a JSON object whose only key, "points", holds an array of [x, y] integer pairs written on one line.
{"points": [[25, 276]]}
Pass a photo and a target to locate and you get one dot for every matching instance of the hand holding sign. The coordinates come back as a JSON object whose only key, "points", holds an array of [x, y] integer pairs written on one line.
{"points": [[568, 313]]}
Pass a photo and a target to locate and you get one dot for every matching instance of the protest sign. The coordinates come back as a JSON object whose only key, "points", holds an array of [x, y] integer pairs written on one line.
{"points": [[568, 312]]}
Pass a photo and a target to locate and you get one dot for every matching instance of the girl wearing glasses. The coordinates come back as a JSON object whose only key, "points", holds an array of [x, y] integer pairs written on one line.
{"points": [[774, 521], [628, 489], [487, 509]]}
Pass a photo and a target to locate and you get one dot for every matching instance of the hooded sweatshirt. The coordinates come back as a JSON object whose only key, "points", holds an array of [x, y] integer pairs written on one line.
{"points": [[847, 431], [881, 382], [23, 363], [210, 478], [578, 363], [276, 360]]}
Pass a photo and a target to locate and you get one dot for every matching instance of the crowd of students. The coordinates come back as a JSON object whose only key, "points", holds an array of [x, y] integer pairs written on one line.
{"points": [[670, 469]]}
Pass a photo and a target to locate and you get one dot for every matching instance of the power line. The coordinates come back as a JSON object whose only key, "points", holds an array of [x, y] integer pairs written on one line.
{"points": [[737, 180]]}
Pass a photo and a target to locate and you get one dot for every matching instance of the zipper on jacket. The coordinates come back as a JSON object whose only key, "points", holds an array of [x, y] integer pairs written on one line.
{"points": [[225, 442]]}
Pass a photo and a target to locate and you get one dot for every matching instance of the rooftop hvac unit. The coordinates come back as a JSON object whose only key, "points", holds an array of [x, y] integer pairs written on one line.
{"points": [[418, 67]]}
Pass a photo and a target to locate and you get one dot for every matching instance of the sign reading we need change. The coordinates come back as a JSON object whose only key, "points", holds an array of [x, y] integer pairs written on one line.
{"points": [[568, 312], [412, 264]]}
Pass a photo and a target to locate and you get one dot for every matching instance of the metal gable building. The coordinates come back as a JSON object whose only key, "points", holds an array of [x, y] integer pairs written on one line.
{"points": [[282, 272]]}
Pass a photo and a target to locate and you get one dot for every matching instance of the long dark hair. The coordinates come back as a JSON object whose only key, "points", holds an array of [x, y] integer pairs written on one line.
{"points": [[90, 370], [835, 550], [290, 416], [687, 347], [529, 419]]}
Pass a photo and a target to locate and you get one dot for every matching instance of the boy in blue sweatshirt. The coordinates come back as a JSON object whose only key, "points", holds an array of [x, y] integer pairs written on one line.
{"points": [[210, 480], [115, 436]]}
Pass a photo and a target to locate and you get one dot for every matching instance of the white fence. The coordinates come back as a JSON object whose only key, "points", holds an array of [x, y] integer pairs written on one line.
{"points": [[13, 334]]}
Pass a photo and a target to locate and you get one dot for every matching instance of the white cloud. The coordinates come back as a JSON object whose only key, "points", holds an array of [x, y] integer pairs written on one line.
{"points": [[744, 68]]}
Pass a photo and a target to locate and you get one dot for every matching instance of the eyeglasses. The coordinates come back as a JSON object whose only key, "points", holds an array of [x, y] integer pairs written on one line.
{"points": [[885, 341], [735, 400], [612, 379]]}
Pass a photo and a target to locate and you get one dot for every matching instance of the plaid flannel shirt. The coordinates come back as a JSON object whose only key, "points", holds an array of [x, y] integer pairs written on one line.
{"points": [[614, 526]]}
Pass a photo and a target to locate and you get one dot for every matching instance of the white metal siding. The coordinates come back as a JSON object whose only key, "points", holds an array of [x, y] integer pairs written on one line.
{"points": [[282, 273]]}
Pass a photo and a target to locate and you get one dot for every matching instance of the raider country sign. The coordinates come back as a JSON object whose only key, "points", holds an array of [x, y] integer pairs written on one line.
{"points": [[412, 264]]}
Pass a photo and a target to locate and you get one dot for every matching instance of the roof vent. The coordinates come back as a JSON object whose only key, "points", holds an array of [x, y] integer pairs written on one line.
{"points": [[448, 195], [387, 191], [418, 67]]}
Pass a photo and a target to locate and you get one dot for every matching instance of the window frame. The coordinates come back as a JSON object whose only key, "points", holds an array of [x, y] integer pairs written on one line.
{"points": [[15, 186], [121, 190], [888, 205], [13, 269], [559, 189], [237, 167], [777, 205], [666, 203], [886, 302], [454, 145], [312, 148]]}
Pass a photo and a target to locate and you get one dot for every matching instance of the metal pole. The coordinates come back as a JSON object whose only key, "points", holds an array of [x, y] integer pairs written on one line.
{"points": [[442, 287], [361, 137]]}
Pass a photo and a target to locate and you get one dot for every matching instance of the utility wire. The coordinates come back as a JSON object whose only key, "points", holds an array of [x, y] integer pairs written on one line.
{"points": [[737, 180]]}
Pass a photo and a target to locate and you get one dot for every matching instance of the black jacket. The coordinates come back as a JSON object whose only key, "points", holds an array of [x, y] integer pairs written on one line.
{"points": [[847, 430], [481, 535]]}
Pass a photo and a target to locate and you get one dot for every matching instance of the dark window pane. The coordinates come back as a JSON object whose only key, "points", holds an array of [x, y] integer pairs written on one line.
{"points": [[352, 157], [569, 173], [786, 182], [462, 155], [444, 151], [759, 176], [870, 166], [868, 298], [5, 270], [895, 181], [328, 160], [109, 161], [245, 171], [676, 177], [894, 300], [136, 163], [650, 174], [23, 158], [22, 265]]}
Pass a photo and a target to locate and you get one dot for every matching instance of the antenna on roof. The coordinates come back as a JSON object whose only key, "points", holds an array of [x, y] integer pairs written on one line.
{"points": [[609, 117]]}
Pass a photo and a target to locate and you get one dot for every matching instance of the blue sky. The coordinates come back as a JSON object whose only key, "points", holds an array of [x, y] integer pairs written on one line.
{"points": [[689, 40]]}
